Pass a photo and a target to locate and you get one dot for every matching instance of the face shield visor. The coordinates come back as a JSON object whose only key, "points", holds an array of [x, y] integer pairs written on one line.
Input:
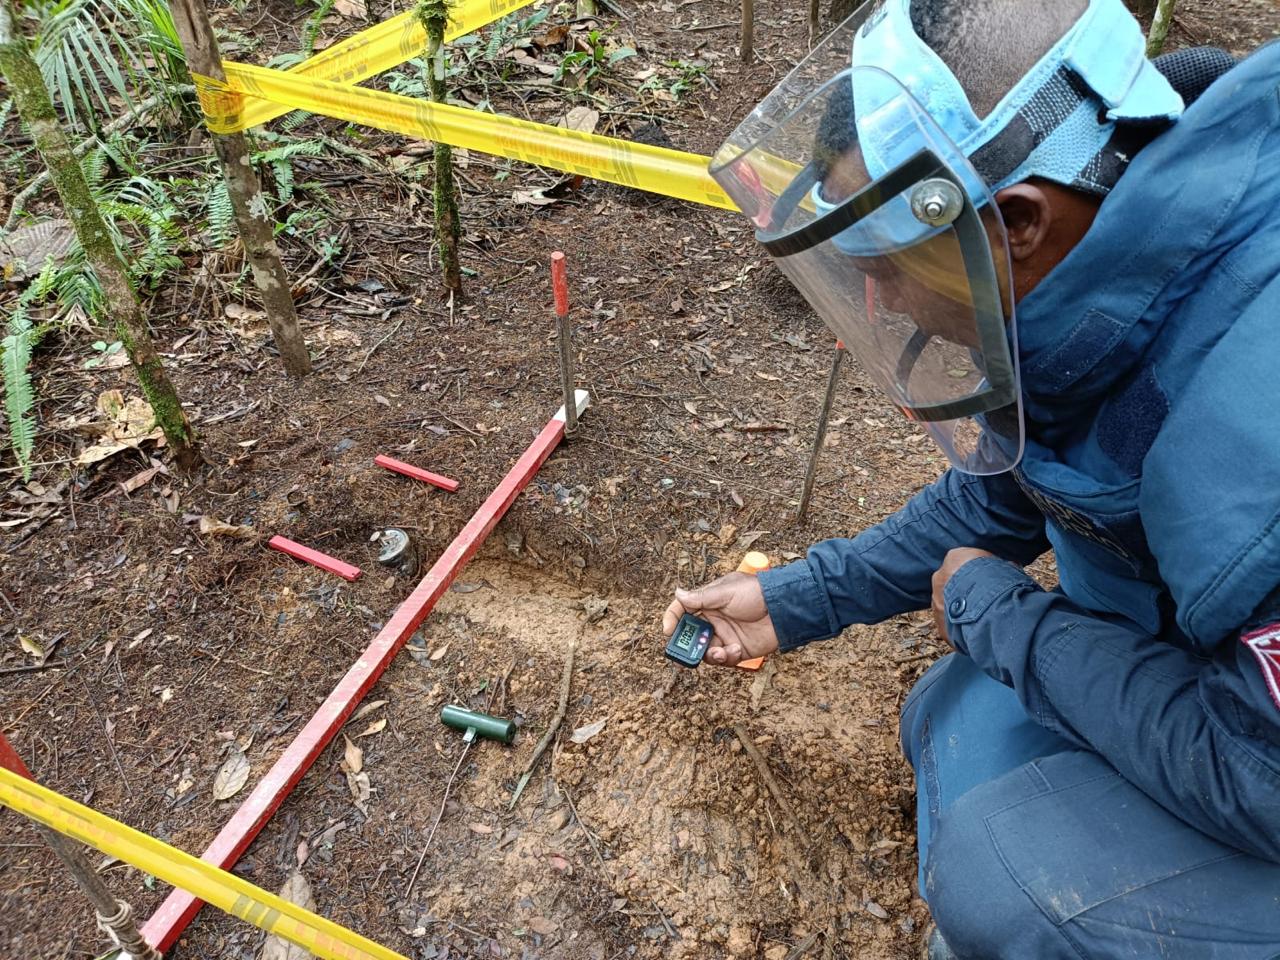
{"points": [[883, 225]]}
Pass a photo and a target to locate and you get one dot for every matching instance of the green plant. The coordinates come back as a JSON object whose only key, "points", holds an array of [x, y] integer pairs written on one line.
{"points": [[16, 350], [687, 76], [472, 56], [311, 29], [103, 351], [587, 65], [90, 51]]}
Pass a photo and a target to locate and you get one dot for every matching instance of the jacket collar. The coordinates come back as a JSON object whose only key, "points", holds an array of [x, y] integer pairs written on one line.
{"points": [[1089, 322]]}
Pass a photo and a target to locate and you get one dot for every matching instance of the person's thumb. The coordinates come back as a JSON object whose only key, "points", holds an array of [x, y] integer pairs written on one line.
{"points": [[714, 596]]}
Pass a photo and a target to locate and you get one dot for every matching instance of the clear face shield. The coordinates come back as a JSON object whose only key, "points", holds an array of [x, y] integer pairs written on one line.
{"points": [[886, 229]]}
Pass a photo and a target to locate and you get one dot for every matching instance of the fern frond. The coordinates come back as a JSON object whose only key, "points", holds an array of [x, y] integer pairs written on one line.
{"points": [[94, 165], [16, 350], [283, 172], [294, 120], [220, 217], [311, 30]]}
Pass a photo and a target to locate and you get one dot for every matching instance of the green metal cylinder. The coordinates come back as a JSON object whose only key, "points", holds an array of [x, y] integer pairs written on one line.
{"points": [[477, 724]]}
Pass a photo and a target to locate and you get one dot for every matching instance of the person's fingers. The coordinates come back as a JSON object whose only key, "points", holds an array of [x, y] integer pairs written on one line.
{"points": [[671, 616], [726, 654], [713, 596]]}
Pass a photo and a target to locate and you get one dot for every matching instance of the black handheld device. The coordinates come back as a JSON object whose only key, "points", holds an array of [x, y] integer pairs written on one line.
{"points": [[689, 641]]}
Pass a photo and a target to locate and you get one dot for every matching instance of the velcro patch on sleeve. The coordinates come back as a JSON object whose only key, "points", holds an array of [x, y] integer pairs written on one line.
{"points": [[1265, 644]]}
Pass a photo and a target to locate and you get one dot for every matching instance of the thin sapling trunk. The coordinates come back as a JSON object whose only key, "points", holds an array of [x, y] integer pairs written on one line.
{"points": [[31, 98], [1160, 24], [433, 14], [247, 199]]}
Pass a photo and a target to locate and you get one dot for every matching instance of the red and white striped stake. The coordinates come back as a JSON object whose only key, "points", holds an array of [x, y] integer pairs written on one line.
{"points": [[564, 333]]}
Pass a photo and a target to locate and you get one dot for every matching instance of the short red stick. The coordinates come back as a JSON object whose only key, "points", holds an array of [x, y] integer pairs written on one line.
{"points": [[314, 557], [417, 473]]}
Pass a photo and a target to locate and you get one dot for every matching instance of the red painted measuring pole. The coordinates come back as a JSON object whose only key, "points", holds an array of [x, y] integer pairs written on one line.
{"points": [[167, 924], [10, 760]]}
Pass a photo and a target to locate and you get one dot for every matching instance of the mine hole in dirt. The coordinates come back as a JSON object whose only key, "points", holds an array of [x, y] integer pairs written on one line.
{"points": [[679, 847]]}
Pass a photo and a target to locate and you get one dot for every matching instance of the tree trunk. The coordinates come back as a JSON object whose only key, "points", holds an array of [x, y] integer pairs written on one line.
{"points": [[433, 15], [1160, 24], [256, 234], [31, 98], [586, 8], [747, 44]]}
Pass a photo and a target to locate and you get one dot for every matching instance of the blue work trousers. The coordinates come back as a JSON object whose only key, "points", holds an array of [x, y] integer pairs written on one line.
{"points": [[1032, 849]]}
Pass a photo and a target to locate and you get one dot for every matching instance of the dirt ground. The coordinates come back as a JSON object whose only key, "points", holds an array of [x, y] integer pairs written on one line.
{"points": [[168, 648]]}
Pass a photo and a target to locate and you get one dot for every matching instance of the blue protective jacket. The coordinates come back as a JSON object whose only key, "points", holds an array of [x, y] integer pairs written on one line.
{"points": [[1151, 377]]}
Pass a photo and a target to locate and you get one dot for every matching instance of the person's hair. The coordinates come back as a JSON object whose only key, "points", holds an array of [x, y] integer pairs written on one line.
{"points": [[991, 44]]}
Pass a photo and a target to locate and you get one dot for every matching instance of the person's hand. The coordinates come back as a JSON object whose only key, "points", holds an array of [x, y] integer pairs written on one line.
{"points": [[953, 561], [735, 606]]}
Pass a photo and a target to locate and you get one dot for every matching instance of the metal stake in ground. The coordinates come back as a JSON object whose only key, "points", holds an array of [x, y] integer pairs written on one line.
{"points": [[564, 333], [115, 917], [205, 62], [807, 493]]}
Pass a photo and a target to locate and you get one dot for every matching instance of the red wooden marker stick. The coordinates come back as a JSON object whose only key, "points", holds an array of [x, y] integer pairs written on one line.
{"points": [[409, 470], [560, 284], [314, 557]]}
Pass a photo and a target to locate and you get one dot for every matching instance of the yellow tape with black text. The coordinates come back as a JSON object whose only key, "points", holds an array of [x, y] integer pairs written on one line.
{"points": [[224, 890], [671, 173], [381, 47]]}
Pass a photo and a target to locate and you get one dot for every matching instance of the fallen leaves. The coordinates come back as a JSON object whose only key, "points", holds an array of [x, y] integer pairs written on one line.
{"points": [[356, 9], [585, 733], [296, 890], [357, 780], [232, 775], [377, 726], [130, 423], [580, 118], [352, 757], [23, 251], [214, 527], [368, 708]]}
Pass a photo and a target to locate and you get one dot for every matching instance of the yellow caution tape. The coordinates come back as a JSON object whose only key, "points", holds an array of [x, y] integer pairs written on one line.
{"points": [[379, 48], [671, 173], [224, 890]]}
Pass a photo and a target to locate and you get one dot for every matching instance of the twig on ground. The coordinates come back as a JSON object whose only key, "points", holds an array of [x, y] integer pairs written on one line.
{"points": [[565, 681], [590, 839], [665, 922], [107, 733], [408, 890], [373, 349], [762, 767], [801, 948], [34, 667]]}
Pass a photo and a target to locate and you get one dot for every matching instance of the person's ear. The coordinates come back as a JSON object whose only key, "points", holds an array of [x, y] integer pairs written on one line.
{"points": [[1028, 218]]}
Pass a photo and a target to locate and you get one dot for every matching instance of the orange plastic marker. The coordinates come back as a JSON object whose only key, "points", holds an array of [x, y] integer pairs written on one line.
{"points": [[753, 563]]}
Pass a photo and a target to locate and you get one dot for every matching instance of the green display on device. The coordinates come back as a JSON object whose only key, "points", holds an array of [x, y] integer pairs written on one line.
{"points": [[689, 641]]}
